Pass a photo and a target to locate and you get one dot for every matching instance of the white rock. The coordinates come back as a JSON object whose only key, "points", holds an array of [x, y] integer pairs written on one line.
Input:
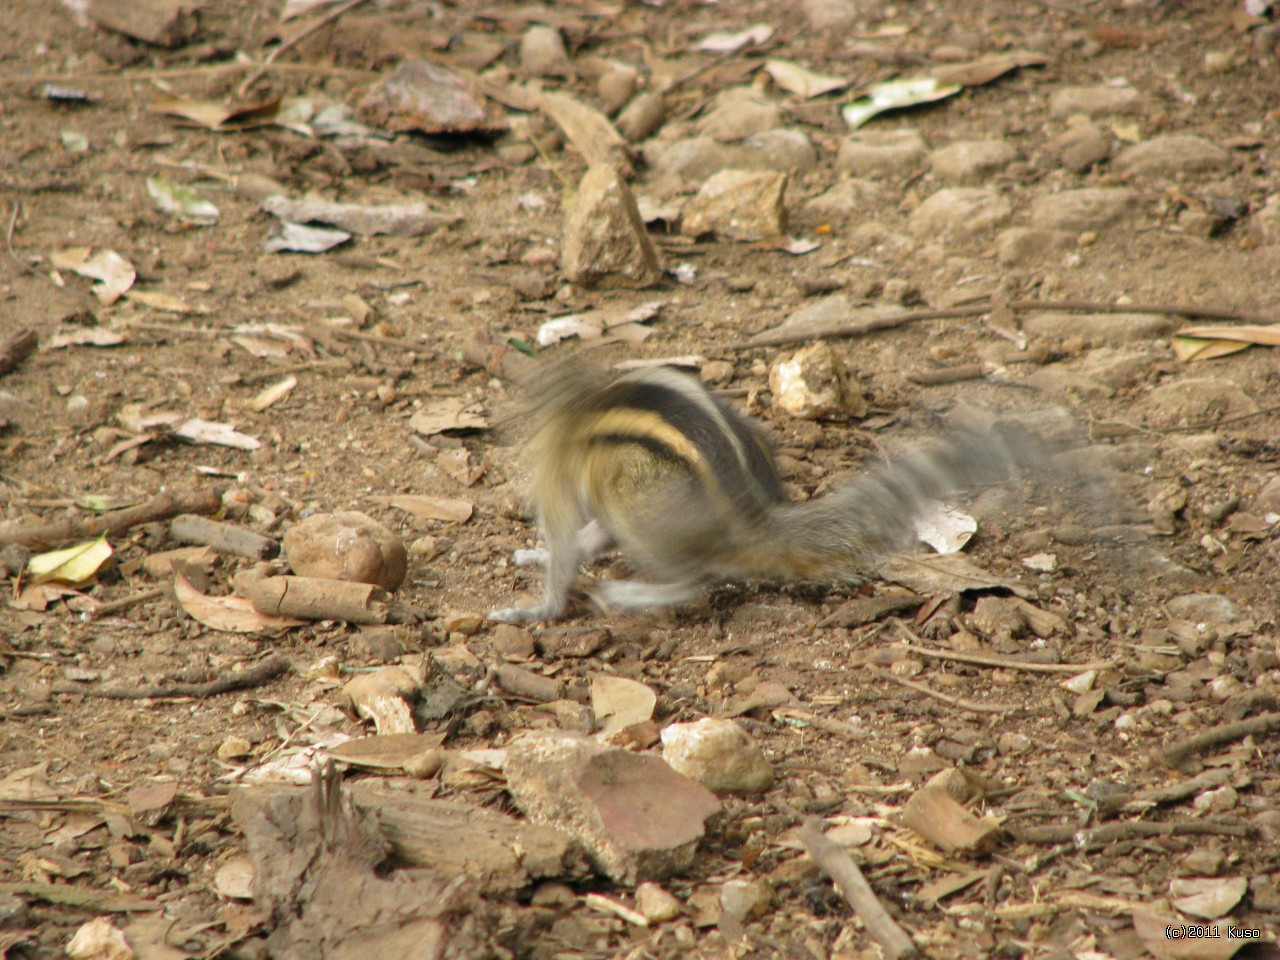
{"points": [[719, 754], [655, 904], [1095, 100], [814, 383], [739, 205]]}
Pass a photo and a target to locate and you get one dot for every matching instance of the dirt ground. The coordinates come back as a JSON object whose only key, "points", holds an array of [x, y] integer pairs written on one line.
{"points": [[1163, 591]]}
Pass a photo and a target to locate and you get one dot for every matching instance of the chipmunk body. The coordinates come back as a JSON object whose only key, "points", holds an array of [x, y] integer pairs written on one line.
{"points": [[688, 489]]}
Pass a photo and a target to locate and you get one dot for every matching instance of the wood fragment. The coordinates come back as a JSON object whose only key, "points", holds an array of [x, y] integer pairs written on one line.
{"points": [[15, 349], [526, 683], [934, 814], [223, 537], [124, 603], [1216, 736], [254, 676], [1006, 663], [941, 375], [1173, 792], [833, 860], [973, 706], [313, 598], [160, 507]]}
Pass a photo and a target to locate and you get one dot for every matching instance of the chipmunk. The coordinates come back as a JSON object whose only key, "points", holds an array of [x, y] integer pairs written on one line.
{"points": [[654, 464]]}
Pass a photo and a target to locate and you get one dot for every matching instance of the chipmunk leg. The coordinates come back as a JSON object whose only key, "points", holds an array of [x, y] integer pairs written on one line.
{"points": [[561, 557], [628, 595], [592, 540]]}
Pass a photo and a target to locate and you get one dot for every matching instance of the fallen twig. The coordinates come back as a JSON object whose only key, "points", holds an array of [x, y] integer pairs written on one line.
{"points": [[1006, 663], [255, 676], [1126, 830], [961, 703], [836, 863], [160, 507], [1180, 750], [892, 320], [293, 41], [124, 603]]}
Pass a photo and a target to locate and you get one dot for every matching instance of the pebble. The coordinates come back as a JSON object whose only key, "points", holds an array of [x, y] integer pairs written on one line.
{"points": [[815, 383], [655, 904], [1095, 100], [697, 158], [1063, 382], [879, 153], [1195, 400], [719, 754], [825, 15], [1081, 147], [971, 161], [1020, 245], [1170, 155], [543, 54], [738, 205], [1204, 608], [739, 112], [1088, 208], [960, 211], [605, 241], [843, 199], [642, 116], [1265, 224]]}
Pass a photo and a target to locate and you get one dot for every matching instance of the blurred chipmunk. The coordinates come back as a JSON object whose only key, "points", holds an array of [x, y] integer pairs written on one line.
{"points": [[655, 465]]}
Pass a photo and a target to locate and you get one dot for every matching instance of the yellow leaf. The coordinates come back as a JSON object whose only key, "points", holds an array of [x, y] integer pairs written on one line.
{"points": [[75, 564], [1188, 349]]}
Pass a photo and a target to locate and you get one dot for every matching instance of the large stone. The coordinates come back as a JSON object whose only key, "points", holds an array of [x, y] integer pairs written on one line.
{"points": [[1098, 329], [971, 161], [1089, 208], [1172, 154], [739, 205], [693, 159], [960, 211], [1203, 400], [783, 149], [879, 153], [1095, 100], [346, 546], [605, 241]]}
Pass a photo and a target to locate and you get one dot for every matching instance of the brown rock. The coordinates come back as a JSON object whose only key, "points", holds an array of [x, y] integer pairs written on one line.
{"points": [[605, 241], [346, 546]]}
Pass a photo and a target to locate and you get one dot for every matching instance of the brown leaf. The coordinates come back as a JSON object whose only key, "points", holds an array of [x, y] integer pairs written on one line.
{"points": [[977, 72]]}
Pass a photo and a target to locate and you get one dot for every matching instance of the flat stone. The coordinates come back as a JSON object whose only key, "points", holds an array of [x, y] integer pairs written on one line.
{"points": [[694, 159], [1088, 208], [1195, 400], [1098, 329], [878, 153], [971, 161], [960, 211], [605, 241], [739, 112], [843, 199], [1116, 368], [739, 205], [1019, 245], [1170, 155], [1081, 147], [783, 149], [1204, 608], [1060, 381], [1095, 100], [543, 54]]}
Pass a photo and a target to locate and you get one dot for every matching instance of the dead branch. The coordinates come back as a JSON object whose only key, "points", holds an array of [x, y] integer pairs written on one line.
{"points": [[124, 603], [836, 863], [1006, 663], [1180, 750], [223, 537], [160, 507], [255, 676], [1089, 837], [893, 320], [960, 703]]}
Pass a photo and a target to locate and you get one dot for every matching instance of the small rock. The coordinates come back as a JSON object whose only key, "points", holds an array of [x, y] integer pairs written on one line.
{"points": [[346, 546], [782, 149], [1095, 100], [1081, 682], [828, 15], [746, 899], [1060, 381], [960, 211], [716, 372], [543, 54], [1013, 743], [1088, 208], [971, 161], [1221, 800], [617, 86], [739, 112], [642, 116], [1207, 608], [998, 618], [739, 205], [233, 748], [655, 904], [1081, 147], [99, 939], [1020, 245], [1268, 499], [635, 816], [1265, 223], [1170, 155], [1195, 400], [513, 642], [814, 383], [605, 241], [719, 754], [843, 200], [691, 159], [879, 153], [1205, 861]]}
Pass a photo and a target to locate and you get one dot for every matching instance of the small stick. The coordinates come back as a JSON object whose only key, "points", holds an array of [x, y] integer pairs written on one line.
{"points": [[124, 603], [223, 537], [17, 348], [959, 702], [293, 41], [160, 507], [255, 676], [890, 321], [836, 863], [1127, 830], [1006, 663], [1180, 750]]}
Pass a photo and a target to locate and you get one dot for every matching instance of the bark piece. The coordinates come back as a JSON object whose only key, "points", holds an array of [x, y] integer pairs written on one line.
{"points": [[313, 598], [934, 814], [223, 537]]}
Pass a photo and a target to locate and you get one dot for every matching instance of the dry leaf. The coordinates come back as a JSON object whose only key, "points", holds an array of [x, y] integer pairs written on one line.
{"points": [[945, 528], [1189, 349], [1208, 342], [230, 614], [1151, 929], [274, 394], [977, 72], [164, 301], [430, 508], [895, 95], [113, 272], [950, 573], [451, 413], [1207, 897], [723, 42], [86, 337], [217, 116], [222, 434], [73, 565], [804, 83]]}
